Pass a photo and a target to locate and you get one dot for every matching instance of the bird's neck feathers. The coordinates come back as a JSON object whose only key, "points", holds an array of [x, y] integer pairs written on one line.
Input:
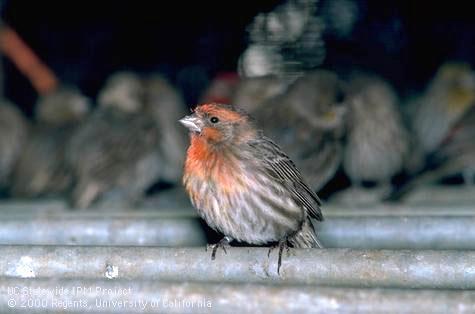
{"points": [[206, 162], [200, 148], [206, 148], [215, 147]]}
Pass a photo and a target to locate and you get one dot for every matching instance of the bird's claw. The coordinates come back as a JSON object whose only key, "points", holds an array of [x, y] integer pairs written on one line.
{"points": [[281, 246], [222, 243], [271, 248]]}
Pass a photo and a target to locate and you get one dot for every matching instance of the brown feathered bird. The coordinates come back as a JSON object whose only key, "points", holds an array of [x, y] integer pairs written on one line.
{"points": [[166, 105], [457, 151], [377, 140], [286, 41], [42, 169], [308, 120], [115, 153], [448, 97], [251, 93], [243, 184], [13, 133], [221, 89], [455, 155]]}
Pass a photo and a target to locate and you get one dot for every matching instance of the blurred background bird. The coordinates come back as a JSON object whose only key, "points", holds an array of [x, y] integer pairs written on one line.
{"points": [[286, 41], [448, 97], [167, 106], [13, 134], [221, 89], [42, 169], [307, 119], [377, 141], [432, 114], [455, 156], [116, 154], [251, 93]]}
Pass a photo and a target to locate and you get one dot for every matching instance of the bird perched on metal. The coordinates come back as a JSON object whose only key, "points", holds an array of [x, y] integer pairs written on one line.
{"points": [[448, 97], [455, 155], [117, 149], [243, 184], [13, 134], [42, 168], [377, 140], [308, 120]]}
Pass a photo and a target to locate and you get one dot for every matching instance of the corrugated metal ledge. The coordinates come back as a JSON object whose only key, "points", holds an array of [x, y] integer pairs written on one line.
{"points": [[336, 267], [371, 232], [96, 296], [85, 230]]}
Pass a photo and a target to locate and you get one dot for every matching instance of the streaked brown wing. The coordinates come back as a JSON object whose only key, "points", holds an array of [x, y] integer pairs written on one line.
{"points": [[279, 166], [106, 147]]}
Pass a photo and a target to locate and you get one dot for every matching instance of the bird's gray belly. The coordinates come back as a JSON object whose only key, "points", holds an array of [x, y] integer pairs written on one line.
{"points": [[251, 216]]}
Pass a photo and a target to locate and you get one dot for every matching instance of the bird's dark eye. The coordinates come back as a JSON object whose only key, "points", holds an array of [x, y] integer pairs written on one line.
{"points": [[214, 120]]}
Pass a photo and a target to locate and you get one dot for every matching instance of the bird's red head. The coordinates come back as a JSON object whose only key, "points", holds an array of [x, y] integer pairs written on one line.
{"points": [[218, 123]]}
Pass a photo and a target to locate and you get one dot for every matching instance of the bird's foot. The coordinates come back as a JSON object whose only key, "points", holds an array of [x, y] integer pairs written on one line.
{"points": [[281, 245], [223, 243]]}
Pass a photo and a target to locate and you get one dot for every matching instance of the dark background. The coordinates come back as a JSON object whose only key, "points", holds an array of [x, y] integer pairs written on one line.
{"points": [[191, 41]]}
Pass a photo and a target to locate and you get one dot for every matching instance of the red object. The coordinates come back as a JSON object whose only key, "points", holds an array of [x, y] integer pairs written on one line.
{"points": [[27, 62], [221, 89]]}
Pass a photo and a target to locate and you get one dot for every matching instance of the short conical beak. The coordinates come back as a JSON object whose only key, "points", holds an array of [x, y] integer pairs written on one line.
{"points": [[192, 122]]}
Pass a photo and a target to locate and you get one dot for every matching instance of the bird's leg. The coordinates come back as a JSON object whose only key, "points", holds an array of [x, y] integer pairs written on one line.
{"points": [[222, 243], [85, 194], [282, 244], [271, 248]]}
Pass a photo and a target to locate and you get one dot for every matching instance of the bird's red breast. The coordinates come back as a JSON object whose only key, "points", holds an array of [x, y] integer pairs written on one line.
{"points": [[205, 164]]}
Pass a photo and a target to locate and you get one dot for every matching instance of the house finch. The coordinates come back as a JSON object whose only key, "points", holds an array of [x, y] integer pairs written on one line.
{"points": [[286, 41], [13, 133], [243, 185], [455, 155], [166, 105], [42, 168], [117, 149], [308, 120], [377, 140], [221, 88], [447, 98], [251, 93]]}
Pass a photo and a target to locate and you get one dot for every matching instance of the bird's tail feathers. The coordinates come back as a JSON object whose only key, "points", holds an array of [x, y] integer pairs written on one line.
{"points": [[306, 237]]}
